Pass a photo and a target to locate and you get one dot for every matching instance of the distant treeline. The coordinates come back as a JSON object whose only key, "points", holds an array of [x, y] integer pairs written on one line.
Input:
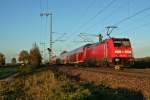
{"points": [[145, 59], [142, 62]]}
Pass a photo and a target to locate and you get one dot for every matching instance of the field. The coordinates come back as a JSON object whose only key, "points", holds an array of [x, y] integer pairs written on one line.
{"points": [[7, 71], [45, 84], [137, 80]]}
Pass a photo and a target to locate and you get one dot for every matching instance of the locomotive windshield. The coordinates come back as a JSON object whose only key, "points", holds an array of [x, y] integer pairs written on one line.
{"points": [[120, 43]]}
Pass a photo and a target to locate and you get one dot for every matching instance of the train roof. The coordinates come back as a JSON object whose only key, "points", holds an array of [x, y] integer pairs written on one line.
{"points": [[119, 38], [93, 44]]}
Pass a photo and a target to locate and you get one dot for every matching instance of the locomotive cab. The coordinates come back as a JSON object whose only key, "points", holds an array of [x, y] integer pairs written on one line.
{"points": [[122, 54]]}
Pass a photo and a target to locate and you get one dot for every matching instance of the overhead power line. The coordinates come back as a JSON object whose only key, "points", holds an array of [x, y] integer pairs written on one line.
{"points": [[47, 6], [60, 37], [85, 12], [40, 6], [129, 17], [97, 14], [104, 19], [92, 18], [137, 27]]}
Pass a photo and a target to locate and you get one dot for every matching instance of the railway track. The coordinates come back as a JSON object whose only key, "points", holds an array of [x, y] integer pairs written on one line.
{"points": [[129, 72], [132, 79], [135, 74]]}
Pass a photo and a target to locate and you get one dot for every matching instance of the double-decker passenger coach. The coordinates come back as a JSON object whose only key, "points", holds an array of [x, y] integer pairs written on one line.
{"points": [[112, 52]]}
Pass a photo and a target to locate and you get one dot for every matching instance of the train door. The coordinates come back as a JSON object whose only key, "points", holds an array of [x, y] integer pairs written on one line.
{"points": [[105, 60], [85, 54], [105, 50]]}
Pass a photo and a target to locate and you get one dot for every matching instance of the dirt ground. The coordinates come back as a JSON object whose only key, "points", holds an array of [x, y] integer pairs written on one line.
{"points": [[114, 80]]}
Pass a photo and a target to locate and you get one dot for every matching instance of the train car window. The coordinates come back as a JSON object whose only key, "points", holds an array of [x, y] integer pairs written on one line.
{"points": [[126, 43], [119, 43]]}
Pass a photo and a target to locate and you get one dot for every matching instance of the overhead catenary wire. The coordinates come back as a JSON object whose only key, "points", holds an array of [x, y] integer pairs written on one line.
{"points": [[104, 19], [128, 11], [47, 6], [85, 12], [41, 26], [115, 11], [44, 24], [97, 14], [58, 39], [108, 16], [133, 15], [40, 5], [93, 17], [41, 22], [128, 7], [130, 16], [90, 5], [137, 27]]}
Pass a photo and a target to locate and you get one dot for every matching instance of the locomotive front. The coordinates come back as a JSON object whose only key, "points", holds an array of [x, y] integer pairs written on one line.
{"points": [[122, 54]]}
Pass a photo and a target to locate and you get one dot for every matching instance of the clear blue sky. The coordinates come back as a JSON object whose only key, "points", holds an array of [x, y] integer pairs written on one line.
{"points": [[21, 24]]}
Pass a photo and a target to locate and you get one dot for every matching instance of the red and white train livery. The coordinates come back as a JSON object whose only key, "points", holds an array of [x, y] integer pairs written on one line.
{"points": [[109, 52]]}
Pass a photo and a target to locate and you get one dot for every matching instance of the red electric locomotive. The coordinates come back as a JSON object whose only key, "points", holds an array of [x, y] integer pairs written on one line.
{"points": [[115, 52]]}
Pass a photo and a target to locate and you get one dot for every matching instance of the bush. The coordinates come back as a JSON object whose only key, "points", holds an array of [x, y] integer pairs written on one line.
{"points": [[35, 56], [13, 61], [2, 59], [24, 57]]}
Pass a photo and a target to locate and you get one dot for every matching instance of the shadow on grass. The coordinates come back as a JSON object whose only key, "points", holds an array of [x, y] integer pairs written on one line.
{"points": [[103, 92], [77, 90], [7, 71], [89, 91], [80, 90]]}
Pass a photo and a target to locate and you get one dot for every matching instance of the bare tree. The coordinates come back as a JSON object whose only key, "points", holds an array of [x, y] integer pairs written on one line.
{"points": [[24, 57], [35, 56], [2, 59]]}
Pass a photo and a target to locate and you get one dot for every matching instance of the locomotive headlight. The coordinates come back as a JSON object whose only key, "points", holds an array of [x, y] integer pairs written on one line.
{"points": [[131, 59], [117, 59], [127, 51], [117, 51]]}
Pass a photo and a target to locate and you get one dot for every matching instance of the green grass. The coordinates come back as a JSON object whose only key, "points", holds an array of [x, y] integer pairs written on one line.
{"points": [[45, 85], [89, 91], [6, 71]]}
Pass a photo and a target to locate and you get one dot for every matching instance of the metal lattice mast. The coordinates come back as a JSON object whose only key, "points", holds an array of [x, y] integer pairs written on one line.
{"points": [[51, 41]]}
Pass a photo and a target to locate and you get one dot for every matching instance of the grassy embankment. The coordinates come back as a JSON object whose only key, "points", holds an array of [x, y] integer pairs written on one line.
{"points": [[42, 85], [6, 71]]}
